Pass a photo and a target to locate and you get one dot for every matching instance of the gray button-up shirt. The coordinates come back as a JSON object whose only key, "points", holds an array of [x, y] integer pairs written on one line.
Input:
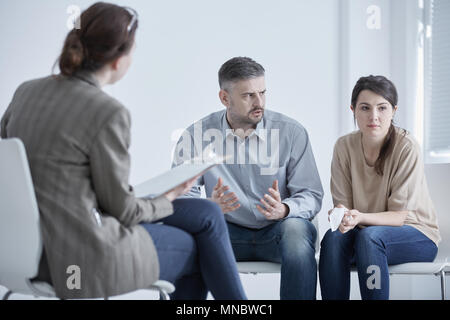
{"points": [[278, 149]]}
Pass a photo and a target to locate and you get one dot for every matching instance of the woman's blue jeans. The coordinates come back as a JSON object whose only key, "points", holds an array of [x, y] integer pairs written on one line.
{"points": [[372, 249], [195, 253]]}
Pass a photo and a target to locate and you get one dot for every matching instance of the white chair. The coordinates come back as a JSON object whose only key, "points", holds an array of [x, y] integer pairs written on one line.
{"points": [[20, 236], [437, 176], [255, 267]]}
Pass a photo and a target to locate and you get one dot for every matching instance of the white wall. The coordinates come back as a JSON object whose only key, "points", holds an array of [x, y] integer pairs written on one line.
{"points": [[181, 46], [313, 53]]}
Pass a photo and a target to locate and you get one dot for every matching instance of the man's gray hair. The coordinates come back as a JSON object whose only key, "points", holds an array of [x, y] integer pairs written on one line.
{"points": [[239, 68]]}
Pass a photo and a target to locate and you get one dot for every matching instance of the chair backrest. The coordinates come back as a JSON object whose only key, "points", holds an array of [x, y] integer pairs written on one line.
{"points": [[438, 178], [20, 237]]}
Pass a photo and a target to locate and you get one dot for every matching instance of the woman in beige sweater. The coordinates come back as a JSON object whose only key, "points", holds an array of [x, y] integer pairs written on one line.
{"points": [[377, 175]]}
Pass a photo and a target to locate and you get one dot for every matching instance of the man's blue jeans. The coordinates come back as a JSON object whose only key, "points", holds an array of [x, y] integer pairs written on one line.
{"points": [[290, 242], [195, 253], [372, 249]]}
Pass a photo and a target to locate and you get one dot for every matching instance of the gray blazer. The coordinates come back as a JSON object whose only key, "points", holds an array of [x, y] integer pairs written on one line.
{"points": [[77, 139]]}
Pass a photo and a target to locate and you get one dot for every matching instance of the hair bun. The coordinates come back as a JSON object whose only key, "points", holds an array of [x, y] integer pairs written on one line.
{"points": [[72, 55], [107, 33]]}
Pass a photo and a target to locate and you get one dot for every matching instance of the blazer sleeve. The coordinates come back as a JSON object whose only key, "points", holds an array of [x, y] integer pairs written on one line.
{"points": [[4, 122], [110, 164], [6, 116]]}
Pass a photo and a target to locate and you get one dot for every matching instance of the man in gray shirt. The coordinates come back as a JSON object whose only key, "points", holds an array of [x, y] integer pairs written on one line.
{"points": [[268, 187]]}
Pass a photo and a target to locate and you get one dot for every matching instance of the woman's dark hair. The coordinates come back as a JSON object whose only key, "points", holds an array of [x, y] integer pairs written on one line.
{"points": [[385, 88], [106, 32]]}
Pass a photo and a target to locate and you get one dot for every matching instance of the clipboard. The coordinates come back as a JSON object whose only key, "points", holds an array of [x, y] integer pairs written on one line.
{"points": [[170, 179]]}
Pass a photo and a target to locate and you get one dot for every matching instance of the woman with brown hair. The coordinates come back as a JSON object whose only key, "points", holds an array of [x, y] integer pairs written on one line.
{"points": [[77, 139], [377, 175]]}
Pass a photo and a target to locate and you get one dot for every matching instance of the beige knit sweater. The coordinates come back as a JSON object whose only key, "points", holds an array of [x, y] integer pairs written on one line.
{"points": [[402, 187]]}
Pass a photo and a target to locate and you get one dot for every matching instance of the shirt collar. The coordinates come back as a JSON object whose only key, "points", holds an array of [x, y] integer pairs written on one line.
{"points": [[259, 131], [87, 77]]}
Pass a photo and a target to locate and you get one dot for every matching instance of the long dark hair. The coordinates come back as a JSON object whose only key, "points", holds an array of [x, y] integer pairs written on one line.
{"points": [[385, 88], [106, 33]]}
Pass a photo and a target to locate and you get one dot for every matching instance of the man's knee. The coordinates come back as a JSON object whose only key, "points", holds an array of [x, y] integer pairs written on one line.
{"points": [[298, 236]]}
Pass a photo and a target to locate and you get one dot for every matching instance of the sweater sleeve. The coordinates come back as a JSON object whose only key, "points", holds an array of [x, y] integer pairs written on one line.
{"points": [[404, 188]]}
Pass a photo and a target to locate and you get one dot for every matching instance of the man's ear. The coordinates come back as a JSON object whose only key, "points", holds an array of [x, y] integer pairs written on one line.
{"points": [[224, 97]]}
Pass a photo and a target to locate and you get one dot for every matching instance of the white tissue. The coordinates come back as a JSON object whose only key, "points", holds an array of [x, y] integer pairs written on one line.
{"points": [[336, 217]]}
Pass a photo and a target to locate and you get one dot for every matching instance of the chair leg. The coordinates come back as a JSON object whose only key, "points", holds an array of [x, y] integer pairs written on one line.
{"points": [[442, 284], [7, 295], [163, 295]]}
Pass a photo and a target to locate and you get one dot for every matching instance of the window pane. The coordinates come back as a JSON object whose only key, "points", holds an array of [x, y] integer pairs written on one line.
{"points": [[437, 122]]}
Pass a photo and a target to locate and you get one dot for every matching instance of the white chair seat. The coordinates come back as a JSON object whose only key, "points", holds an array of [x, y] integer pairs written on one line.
{"points": [[255, 267], [404, 268], [42, 289], [419, 268]]}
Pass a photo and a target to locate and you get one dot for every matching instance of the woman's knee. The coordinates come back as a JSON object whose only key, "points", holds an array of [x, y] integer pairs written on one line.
{"points": [[332, 239], [335, 243], [211, 207], [327, 238], [169, 238], [369, 236], [209, 213], [199, 207]]}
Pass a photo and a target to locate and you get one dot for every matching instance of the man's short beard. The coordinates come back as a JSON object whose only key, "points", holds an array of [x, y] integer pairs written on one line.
{"points": [[245, 121]]}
